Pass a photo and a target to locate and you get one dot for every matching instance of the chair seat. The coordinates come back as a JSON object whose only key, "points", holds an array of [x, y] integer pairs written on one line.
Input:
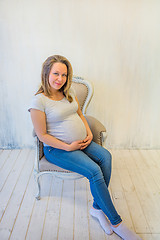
{"points": [[44, 165], [47, 167]]}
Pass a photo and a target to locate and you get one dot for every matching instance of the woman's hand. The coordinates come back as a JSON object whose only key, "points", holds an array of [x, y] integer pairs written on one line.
{"points": [[80, 145], [76, 145], [87, 141]]}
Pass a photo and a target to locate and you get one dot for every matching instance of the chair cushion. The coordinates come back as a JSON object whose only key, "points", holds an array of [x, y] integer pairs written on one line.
{"points": [[44, 165]]}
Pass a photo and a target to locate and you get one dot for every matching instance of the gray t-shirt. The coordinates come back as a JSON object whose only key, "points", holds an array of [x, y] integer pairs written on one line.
{"points": [[62, 120]]}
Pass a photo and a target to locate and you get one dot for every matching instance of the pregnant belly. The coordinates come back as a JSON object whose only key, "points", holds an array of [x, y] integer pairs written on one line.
{"points": [[70, 130]]}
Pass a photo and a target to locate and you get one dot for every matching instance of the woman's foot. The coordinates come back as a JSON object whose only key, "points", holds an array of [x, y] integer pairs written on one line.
{"points": [[124, 232], [102, 220]]}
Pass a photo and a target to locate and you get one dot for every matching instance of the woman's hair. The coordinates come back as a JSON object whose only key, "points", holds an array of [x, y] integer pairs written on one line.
{"points": [[46, 68]]}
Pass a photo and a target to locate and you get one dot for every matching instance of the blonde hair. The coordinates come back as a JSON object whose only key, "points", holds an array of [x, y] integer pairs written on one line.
{"points": [[46, 68]]}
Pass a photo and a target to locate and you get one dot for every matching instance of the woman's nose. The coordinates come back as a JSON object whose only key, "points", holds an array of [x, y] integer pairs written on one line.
{"points": [[60, 77]]}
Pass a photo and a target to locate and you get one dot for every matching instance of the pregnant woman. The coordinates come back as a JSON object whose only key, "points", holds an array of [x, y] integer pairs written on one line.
{"points": [[67, 139]]}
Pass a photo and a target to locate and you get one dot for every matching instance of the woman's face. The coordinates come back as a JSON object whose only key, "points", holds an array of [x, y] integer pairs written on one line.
{"points": [[58, 76]]}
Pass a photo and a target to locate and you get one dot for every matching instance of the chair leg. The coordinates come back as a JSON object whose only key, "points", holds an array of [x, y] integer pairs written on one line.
{"points": [[39, 187]]}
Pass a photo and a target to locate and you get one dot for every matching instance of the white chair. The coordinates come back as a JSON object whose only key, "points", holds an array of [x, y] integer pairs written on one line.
{"points": [[84, 92]]}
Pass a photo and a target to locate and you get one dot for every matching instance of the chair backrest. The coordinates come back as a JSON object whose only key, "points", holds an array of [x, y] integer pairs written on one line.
{"points": [[84, 93]]}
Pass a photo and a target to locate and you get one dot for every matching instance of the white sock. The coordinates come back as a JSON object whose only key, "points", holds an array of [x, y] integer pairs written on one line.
{"points": [[102, 219], [125, 233]]}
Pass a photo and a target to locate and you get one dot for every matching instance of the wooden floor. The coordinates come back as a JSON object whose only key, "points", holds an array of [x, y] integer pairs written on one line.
{"points": [[63, 211]]}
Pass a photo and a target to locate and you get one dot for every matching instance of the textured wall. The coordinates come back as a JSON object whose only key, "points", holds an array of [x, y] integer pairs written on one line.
{"points": [[113, 43]]}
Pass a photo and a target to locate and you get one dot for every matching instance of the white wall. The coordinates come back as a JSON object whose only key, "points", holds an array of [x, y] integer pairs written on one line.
{"points": [[113, 43]]}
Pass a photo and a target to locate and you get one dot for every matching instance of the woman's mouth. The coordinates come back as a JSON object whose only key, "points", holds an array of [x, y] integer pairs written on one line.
{"points": [[58, 83]]}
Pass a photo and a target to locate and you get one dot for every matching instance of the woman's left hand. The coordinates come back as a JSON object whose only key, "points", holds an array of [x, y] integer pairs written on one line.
{"points": [[87, 141]]}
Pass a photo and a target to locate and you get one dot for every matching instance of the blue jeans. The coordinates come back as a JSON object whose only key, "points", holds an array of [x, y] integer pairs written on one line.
{"points": [[94, 162]]}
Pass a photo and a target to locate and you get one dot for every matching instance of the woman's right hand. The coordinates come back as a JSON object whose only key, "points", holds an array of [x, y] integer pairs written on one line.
{"points": [[76, 145]]}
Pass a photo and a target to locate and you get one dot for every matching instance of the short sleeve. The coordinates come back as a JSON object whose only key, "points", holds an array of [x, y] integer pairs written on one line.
{"points": [[37, 103]]}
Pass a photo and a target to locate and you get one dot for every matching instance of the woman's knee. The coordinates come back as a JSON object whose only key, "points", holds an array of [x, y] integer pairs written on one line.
{"points": [[95, 174], [107, 157]]}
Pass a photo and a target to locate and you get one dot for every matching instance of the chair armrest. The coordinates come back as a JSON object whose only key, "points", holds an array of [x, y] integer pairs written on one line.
{"points": [[39, 146], [97, 129]]}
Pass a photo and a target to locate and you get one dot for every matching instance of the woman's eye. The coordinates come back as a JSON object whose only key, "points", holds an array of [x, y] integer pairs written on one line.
{"points": [[57, 74]]}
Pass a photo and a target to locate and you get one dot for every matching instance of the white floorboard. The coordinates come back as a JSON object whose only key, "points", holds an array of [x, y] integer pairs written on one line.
{"points": [[63, 211]]}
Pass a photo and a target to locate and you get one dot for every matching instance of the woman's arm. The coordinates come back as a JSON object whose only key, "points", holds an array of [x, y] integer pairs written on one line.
{"points": [[39, 122], [89, 137]]}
